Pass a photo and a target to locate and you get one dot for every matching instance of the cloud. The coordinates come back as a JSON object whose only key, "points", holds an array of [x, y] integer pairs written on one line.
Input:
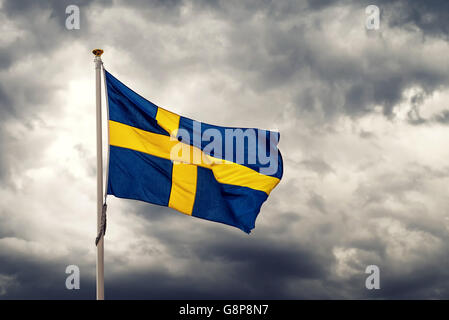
{"points": [[362, 117], [430, 17]]}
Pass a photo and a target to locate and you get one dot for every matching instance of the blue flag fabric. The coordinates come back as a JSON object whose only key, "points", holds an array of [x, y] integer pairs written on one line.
{"points": [[221, 174]]}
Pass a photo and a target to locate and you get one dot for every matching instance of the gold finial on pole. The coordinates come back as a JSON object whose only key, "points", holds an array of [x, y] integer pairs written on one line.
{"points": [[97, 52]]}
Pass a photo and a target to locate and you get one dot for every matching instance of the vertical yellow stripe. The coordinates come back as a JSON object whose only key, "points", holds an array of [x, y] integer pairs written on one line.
{"points": [[168, 120], [183, 188]]}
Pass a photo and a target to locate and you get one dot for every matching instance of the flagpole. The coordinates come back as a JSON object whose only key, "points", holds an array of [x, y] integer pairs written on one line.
{"points": [[100, 245]]}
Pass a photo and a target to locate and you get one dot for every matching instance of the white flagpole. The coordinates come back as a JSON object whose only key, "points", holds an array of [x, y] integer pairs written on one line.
{"points": [[100, 245]]}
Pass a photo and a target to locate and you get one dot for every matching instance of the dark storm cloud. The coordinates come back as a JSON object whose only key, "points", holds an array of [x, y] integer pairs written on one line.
{"points": [[364, 82], [317, 165], [414, 116], [425, 281], [256, 271], [279, 259], [426, 278], [237, 265], [260, 269], [26, 8], [317, 201], [263, 56], [270, 57], [23, 96], [377, 84], [21, 99], [442, 117], [6, 59], [430, 17], [253, 268], [42, 31], [33, 278], [45, 34], [5, 102]]}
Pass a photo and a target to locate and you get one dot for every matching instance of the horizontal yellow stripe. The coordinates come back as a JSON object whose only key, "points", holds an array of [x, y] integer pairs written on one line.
{"points": [[168, 120], [122, 135], [183, 189]]}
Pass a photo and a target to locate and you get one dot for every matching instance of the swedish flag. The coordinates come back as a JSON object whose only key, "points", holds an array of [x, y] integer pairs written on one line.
{"points": [[227, 183]]}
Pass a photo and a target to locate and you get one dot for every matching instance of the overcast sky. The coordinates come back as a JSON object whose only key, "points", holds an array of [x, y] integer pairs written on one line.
{"points": [[363, 116]]}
